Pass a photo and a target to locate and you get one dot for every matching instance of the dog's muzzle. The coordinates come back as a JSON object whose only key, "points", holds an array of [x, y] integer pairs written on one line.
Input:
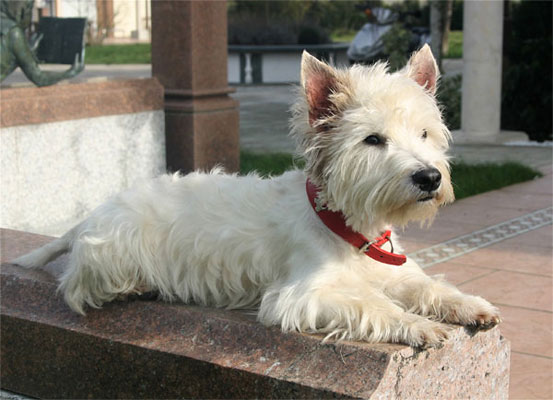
{"points": [[427, 180]]}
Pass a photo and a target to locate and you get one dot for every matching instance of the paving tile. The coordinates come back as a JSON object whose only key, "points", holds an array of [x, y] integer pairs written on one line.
{"points": [[510, 255], [546, 169], [513, 289], [521, 201], [415, 238], [475, 154], [438, 232], [410, 246], [529, 331], [538, 237], [537, 186], [481, 214], [457, 273], [531, 377]]}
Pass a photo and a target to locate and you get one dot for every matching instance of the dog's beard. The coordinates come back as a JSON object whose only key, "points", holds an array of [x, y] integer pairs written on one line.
{"points": [[413, 211], [391, 202]]}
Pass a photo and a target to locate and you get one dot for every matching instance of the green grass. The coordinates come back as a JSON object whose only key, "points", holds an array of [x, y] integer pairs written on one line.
{"points": [[455, 45], [342, 36], [267, 164], [468, 180], [140, 53]]}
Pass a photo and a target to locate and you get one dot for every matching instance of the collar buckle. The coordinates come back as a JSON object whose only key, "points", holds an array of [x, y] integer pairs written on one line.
{"points": [[319, 205], [366, 245]]}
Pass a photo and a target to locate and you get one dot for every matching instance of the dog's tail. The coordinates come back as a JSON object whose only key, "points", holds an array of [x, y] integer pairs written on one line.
{"points": [[49, 252]]}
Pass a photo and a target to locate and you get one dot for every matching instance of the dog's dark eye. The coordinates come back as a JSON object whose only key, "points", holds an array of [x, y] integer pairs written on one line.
{"points": [[373, 140], [424, 134]]}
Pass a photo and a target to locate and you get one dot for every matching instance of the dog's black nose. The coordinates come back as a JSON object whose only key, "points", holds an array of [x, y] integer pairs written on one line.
{"points": [[427, 179]]}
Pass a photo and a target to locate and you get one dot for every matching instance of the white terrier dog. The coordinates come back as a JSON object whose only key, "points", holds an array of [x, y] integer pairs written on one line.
{"points": [[312, 260]]}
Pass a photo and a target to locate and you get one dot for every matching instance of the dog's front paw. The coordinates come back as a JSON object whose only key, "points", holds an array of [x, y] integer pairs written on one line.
{"points": [[475, 312], [486, 319], [425, 333]]}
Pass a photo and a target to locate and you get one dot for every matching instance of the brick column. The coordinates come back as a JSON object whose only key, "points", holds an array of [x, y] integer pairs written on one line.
{"points": [[189, 57]]}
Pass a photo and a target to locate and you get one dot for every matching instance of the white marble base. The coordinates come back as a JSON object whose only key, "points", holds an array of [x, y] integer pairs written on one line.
{"points": [[482, 56], [463, 137], [54, 174]]}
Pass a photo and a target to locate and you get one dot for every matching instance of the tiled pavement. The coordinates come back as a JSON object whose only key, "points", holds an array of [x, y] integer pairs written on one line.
{"points": [[515, 273]]}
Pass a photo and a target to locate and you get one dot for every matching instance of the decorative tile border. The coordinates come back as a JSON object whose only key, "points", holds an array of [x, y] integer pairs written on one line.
{"points": [[485, 237]]}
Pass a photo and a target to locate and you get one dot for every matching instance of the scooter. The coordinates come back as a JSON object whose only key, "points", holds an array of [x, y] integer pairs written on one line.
{"points": [[368, 46]]}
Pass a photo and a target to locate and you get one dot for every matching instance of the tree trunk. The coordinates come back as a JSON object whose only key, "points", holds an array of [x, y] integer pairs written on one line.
{"points": [[447, 11], [436, 30]]}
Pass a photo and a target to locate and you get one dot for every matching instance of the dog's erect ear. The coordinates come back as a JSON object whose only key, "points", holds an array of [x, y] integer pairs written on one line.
{"points": [[422, 68], [319, 81]]}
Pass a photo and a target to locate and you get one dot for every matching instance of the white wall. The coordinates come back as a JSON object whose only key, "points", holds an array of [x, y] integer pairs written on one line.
{"points": [[281, 67], [233, 69], [132, 19], [78, 8]]}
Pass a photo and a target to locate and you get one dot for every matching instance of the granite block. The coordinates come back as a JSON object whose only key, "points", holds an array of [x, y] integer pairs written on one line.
{"points": [[198, 60], [202, 133], [151, 349], [70, 101]]}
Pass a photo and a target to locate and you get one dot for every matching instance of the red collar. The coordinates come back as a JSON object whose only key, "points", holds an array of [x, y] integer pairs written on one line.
{"points": [[335, 221]]}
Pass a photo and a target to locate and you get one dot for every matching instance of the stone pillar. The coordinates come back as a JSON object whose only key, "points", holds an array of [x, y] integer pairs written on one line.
{"points": [[482, 52], [189, 57], [436, 29]]}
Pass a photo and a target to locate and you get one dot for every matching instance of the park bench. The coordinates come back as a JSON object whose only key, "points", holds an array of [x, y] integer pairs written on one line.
{"points": [[62, 38]]}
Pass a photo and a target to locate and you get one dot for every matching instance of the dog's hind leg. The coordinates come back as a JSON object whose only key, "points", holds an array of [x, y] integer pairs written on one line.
{"points": [[110, 261], [48, 252], [93, 277]]}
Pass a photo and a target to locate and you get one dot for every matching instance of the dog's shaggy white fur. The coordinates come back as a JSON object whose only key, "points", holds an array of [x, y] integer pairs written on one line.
{"points": [[230, 241]]}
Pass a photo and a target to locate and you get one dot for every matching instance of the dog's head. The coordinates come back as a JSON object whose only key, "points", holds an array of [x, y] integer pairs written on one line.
{"points": [[374, 141]]}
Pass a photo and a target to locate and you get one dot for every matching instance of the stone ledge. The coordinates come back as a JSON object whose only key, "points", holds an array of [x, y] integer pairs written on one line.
{"points": [[63, 102], [480, 138], [150, 349]]}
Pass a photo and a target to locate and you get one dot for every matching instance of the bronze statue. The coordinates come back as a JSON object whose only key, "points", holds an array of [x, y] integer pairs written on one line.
{"points": [[15, 51]]}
